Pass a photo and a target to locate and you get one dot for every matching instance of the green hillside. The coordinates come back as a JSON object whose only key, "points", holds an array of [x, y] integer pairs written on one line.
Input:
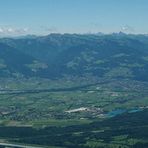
{"points": [[105, 56]]}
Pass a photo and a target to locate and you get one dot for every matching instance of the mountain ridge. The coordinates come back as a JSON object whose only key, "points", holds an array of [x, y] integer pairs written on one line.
{"points": [[57, 55]]}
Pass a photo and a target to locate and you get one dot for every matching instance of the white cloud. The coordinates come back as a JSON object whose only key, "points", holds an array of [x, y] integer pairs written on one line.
{"points": [[21, 30], [25, 29], [49, 29], [127, 28], [10, 30], [1, 30], [6, 30]]}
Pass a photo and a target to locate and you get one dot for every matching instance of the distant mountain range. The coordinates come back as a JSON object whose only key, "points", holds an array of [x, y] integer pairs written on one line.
{"points": [[56, 56]]}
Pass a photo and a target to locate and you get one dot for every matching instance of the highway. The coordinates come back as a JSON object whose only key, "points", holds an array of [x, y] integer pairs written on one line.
{"points": [[9, 145]]}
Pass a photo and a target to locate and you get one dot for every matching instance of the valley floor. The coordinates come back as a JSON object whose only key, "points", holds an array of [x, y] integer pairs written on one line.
{"points": [[74, 113]]}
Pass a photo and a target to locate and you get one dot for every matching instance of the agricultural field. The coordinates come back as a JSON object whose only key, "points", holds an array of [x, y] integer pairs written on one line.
{"points": [[76, 99]]}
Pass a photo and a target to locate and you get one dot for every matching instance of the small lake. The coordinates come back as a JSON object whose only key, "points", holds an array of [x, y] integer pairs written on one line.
{"points": [[121, 111]]}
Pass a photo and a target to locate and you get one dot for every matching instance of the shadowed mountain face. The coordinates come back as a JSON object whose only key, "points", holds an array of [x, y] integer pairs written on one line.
{"points": [[12, 62], [56, 56]]}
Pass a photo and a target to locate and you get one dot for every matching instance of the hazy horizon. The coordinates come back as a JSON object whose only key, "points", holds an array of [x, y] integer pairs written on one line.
{"points": [[42, 35], [43, 17]]}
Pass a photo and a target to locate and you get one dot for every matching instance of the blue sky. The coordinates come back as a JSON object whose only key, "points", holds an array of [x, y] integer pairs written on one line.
{"points": [[18, 17]]}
